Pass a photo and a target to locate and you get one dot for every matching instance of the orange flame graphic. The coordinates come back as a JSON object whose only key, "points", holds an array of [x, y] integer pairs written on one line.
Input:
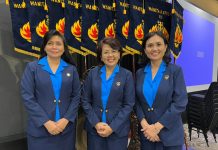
{"points": [[178, 36], [93, 32], [159, 27], [125, 29], [139, 33], [76, 30], [109, 31], [60, 25], [25, 32], [42, 28], [165, 32]]}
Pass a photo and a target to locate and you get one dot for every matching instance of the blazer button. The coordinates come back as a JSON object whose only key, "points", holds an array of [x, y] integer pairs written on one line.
{"points": [[106, 110], [55, 101], [152, 109], [149, 109], [101, 110], [59, 101]]}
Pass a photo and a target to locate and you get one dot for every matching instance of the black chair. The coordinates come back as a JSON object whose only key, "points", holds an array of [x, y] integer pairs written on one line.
{"points": [[214, 114], [202, 112]]}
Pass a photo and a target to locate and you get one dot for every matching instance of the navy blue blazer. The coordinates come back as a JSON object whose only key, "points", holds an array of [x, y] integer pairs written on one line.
{"points": [[38, 97], [119, 106], [169, 103]]}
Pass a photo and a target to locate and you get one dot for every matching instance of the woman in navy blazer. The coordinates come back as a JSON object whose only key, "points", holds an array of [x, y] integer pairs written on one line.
{"points": [[107, 99], [161, 97], [50, 89]]}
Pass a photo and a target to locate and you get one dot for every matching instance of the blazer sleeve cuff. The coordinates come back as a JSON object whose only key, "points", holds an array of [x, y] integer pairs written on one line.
{"points": [[113, 127], [41, 122]]}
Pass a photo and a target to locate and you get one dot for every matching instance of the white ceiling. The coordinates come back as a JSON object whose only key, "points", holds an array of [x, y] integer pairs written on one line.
{"points": [[210, 6]]}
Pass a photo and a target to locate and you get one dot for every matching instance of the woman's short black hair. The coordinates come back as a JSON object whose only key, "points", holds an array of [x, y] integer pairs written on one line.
{"points": [[66, 55], [166, 57], [112, 42]]}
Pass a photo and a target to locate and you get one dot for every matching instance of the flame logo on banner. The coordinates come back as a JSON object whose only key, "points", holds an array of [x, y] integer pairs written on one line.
{"points": [[178, 36], [125, 29], [109, 31], [76, 30], [93, 32], [42, 28], [25, 32], [139, 33], [60, 25], [159, 27]]}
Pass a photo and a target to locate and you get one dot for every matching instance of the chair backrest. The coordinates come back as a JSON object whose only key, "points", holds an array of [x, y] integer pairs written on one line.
{"points": [[211, 101]]}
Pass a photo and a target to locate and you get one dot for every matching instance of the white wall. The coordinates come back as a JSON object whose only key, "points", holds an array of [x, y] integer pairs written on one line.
{"points": [[215, 65], [214, 20]]}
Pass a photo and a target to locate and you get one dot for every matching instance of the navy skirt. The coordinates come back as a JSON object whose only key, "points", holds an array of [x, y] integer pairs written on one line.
{"points": [[56, 142], [147, 145], [96, 142]]}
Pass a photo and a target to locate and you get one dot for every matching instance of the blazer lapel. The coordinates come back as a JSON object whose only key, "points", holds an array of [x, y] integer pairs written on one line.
{"points": [[46, 77], [65, 76], [141, 82], [117, 82], [97, 88], [163, 85]]}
